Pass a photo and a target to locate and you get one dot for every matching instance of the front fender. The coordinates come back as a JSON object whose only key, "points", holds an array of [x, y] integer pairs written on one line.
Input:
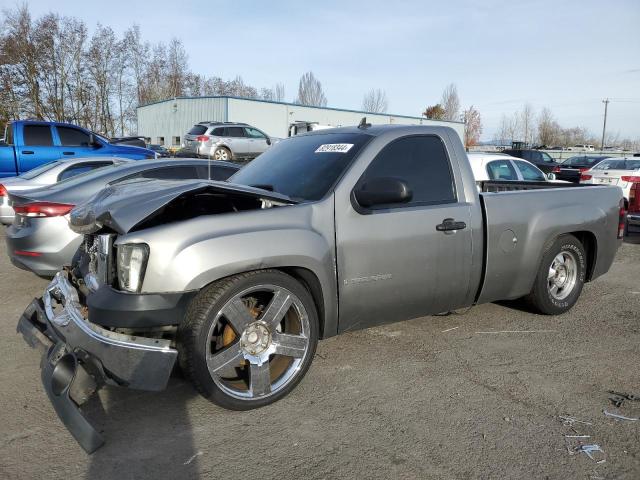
{"points": [[189, 255]]}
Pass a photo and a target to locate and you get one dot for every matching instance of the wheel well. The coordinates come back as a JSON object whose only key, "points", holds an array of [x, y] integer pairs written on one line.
{"points": [[309, 281], [590, 244]]}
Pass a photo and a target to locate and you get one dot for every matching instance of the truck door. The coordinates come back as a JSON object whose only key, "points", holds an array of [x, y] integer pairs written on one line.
{"points": [[74, 142], [8, 154], [37, 147], [402, 261]]}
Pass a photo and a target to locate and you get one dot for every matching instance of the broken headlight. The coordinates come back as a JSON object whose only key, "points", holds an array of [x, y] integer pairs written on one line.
{"points": [[132, 263]]}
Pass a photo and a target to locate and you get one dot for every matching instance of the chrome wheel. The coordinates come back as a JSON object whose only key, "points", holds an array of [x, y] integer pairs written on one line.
{"points": [[258, 342], [563, 274], [221, 154]]}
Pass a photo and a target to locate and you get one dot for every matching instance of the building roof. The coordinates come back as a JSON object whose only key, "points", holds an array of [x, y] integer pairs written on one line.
{"points": [[292, 105]]}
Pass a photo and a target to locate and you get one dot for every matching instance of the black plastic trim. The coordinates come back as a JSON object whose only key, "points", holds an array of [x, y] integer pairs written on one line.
{"points": [[112, 308]]}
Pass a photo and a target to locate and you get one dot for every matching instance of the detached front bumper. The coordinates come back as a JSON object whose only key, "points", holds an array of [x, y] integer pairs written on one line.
{"points": [[79, 356]]}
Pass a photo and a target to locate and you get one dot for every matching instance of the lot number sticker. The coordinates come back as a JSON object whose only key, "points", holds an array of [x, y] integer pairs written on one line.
{"points": [[334, 148]]}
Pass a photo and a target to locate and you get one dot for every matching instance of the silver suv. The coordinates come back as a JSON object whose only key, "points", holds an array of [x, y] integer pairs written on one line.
{"points": [[225, 141]]}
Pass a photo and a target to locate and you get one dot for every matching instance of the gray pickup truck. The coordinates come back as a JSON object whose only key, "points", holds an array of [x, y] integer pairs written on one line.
{"points": [[326, 232]]}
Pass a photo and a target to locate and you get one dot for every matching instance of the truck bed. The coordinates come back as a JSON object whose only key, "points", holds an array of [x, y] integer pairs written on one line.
{"points": [[521, 217]]}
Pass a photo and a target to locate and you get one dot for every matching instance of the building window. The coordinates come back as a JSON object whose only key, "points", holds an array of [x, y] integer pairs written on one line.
{"points": [[175, 141], [160, 140]]}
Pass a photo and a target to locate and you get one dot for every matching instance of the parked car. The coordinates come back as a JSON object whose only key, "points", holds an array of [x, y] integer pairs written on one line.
{"points": [[633, 213], [225, 141], [572, 167], [623, 172], [161, 151], [325, 233], [135, 141], [40, 239], [505, 167], [542, 160], [29, 144], [46, 175], [581, 148]]}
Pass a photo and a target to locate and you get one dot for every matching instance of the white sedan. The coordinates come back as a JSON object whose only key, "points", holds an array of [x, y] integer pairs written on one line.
{"points": [[623, 172], [488, 166]]}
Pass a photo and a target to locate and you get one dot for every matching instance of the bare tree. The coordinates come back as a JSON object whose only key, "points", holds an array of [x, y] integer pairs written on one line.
{"points": [[527, 123], [310, 91], [278, 92], [451, 102], [434, 112], [472, 126], [51, 69], [375, 101], [548, 128]]}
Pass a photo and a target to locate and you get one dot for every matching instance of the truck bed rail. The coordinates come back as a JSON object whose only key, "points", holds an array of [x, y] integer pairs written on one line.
{"points": [[511, 185]]}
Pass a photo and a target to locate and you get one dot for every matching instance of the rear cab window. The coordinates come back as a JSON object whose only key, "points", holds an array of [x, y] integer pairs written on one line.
{"points": [[421, 162]]}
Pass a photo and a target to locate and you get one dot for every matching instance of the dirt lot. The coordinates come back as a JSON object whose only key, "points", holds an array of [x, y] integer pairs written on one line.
{"points": [[429, 398]]}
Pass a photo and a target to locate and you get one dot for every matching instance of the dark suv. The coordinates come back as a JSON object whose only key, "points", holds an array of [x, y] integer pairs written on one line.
{"points": [[542, 160], [225, 141]]}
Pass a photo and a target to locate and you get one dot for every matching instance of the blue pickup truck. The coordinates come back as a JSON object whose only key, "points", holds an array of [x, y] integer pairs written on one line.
{"points": [[30, 143]]}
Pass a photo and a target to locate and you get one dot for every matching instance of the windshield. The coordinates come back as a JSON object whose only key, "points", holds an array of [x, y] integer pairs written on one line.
{"points": [[615, 164], [33, 173], [303, 168]]}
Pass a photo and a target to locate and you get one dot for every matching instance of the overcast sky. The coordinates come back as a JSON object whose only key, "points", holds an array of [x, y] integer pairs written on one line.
{"points": [[567, 55]]}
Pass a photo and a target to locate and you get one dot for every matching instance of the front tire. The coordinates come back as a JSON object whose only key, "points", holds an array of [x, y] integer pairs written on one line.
{"points": [[249, 339], [560, 278]]}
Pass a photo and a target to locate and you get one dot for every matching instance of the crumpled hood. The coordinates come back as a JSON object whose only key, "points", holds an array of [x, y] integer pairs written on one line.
{"points": [[123, 206]]}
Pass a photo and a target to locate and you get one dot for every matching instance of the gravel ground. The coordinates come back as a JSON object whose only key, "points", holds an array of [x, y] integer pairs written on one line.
{"points": [[427, 398]]}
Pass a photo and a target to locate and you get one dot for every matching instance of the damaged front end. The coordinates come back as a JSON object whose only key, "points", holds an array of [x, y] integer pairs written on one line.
{"points": [[93, 328], [80, 357]]}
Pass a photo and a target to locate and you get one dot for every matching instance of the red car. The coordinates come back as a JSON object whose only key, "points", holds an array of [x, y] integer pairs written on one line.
{"points": [[633, 214]]}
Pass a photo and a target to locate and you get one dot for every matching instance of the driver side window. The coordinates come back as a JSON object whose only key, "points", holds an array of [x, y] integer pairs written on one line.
{"points": [[529, 172]]}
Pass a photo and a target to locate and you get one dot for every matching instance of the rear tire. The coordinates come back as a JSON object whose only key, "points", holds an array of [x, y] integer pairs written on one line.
{"points": [[249, 339], [560, 277], [223, 154]]}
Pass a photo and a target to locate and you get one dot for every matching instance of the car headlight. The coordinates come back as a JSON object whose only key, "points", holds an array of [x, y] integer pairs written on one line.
{"points": [[132, 263]]}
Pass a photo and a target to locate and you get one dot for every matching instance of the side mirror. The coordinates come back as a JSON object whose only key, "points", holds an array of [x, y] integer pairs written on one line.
{"points": [[381, 191], [268, 141], [551, 177]]}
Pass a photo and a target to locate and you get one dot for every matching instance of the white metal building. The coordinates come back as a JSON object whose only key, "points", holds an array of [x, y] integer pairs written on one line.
{"points": [[166, 122]]}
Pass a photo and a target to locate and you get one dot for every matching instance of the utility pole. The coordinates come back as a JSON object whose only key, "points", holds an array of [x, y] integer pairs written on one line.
{"points": [[604, 126]]}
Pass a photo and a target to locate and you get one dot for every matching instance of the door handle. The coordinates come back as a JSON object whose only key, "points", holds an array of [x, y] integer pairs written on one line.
{"points": [[449, 224], [27, 152], [68, 153]]}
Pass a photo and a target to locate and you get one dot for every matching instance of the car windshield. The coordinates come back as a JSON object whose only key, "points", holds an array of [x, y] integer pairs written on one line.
{"points": [[304, 168], [618, 164], [33, 173]]}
